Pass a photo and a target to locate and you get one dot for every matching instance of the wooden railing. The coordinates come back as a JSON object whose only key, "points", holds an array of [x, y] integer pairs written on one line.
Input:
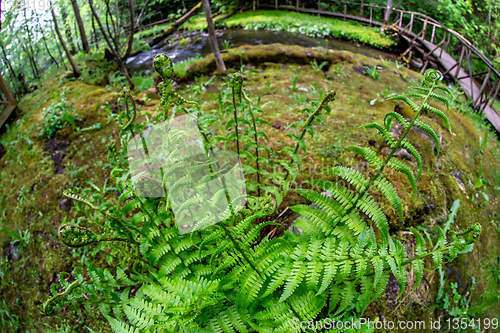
{"points": [[10, 102], [437, 44]]}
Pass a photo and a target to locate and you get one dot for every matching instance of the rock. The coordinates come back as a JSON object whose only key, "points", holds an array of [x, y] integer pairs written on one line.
{"points": [[66, 204], [459, 179], [428, 208], [358, 69], [278, 125], [400, 153]]}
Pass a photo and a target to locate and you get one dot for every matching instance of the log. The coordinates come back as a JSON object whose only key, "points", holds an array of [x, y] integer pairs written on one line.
{"points": [[177, 24]]}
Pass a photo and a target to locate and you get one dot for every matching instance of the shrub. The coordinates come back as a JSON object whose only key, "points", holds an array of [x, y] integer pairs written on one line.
{"points": [[58, 115]]}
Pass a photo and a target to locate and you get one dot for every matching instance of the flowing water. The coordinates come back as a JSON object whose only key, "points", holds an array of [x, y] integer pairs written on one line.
{"points": [[181, 46]]}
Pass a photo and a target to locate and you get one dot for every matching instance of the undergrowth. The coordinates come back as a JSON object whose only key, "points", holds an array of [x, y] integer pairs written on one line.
{"points": [[216, 271]]}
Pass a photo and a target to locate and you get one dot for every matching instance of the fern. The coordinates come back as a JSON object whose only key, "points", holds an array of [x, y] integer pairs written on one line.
{"points": [[214, 272]]}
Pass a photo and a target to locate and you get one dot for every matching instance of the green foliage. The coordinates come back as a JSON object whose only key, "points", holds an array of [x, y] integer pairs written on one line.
{"points": [[142, 83], [58, 115], [181, 67], [227, 277], [372, 72], [317, 67]]}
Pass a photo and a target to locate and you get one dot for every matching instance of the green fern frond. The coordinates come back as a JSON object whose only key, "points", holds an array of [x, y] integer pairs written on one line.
{"points": [[399, 118], [388, 138], [120, 327], [438, 113], [370, 207], [404, 98], [414, 152], [298, 273], [384, 186], [354, 177], [403, 168], [369, 155], [323, 202], [427, 129]]}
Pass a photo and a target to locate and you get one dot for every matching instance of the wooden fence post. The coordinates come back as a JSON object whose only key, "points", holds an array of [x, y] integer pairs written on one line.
{"points": [[10, 102]]}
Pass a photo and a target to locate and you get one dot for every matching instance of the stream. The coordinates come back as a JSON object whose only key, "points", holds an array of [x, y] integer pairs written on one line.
{"points": [[183, 45]]}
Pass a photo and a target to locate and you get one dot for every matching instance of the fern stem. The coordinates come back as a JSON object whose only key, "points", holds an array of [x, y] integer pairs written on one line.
{"points": [[256, 150], [236, 125], [240, 250], [328, 98], [398, 144]]}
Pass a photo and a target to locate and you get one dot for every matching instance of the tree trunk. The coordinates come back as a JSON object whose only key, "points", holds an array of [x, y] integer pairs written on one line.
{"points": [[12, 73], [95, 32], [76, 73], [117, 21], [58, 48], [112, 35], [72, 48], [31, 61], [387, 14], [81, 28], [45, 40], [212, 37], [110, 45], [170, 30], [128, 49], [137, 23], [32, 56]]}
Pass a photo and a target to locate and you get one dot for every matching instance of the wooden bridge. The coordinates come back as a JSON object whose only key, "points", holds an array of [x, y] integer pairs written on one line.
{"points": [[9, 102], [435, 43]]}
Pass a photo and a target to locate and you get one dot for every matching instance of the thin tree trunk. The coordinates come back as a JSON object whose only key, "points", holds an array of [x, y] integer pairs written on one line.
{"points": [[212, 37], [361, 10], [137, 23], [50, 54], [95, 32], [45, 40], [387, 11], [12, 73], [117, 21], [76, 73], [33, 67], [112, 35], [58, 48], [128, 49], [32, 56], [184, 5], [72, 47], [170, 30], [107, 26], [110, 45], [81, 28]]}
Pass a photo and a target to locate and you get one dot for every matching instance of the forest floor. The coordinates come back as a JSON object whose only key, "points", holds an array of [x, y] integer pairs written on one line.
{"points": [[36, 170]]}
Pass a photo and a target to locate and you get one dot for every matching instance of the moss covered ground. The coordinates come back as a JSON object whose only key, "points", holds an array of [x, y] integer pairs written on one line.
{"points": [[36, 170]]}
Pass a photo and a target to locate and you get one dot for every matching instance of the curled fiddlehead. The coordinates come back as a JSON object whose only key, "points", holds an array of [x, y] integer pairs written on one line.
{"points": [[130, 108], [164, 67], [76, 236], [49, 306]]}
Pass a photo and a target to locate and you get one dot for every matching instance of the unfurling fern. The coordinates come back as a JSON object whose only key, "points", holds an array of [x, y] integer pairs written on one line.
{"points": [[222, 277]]}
